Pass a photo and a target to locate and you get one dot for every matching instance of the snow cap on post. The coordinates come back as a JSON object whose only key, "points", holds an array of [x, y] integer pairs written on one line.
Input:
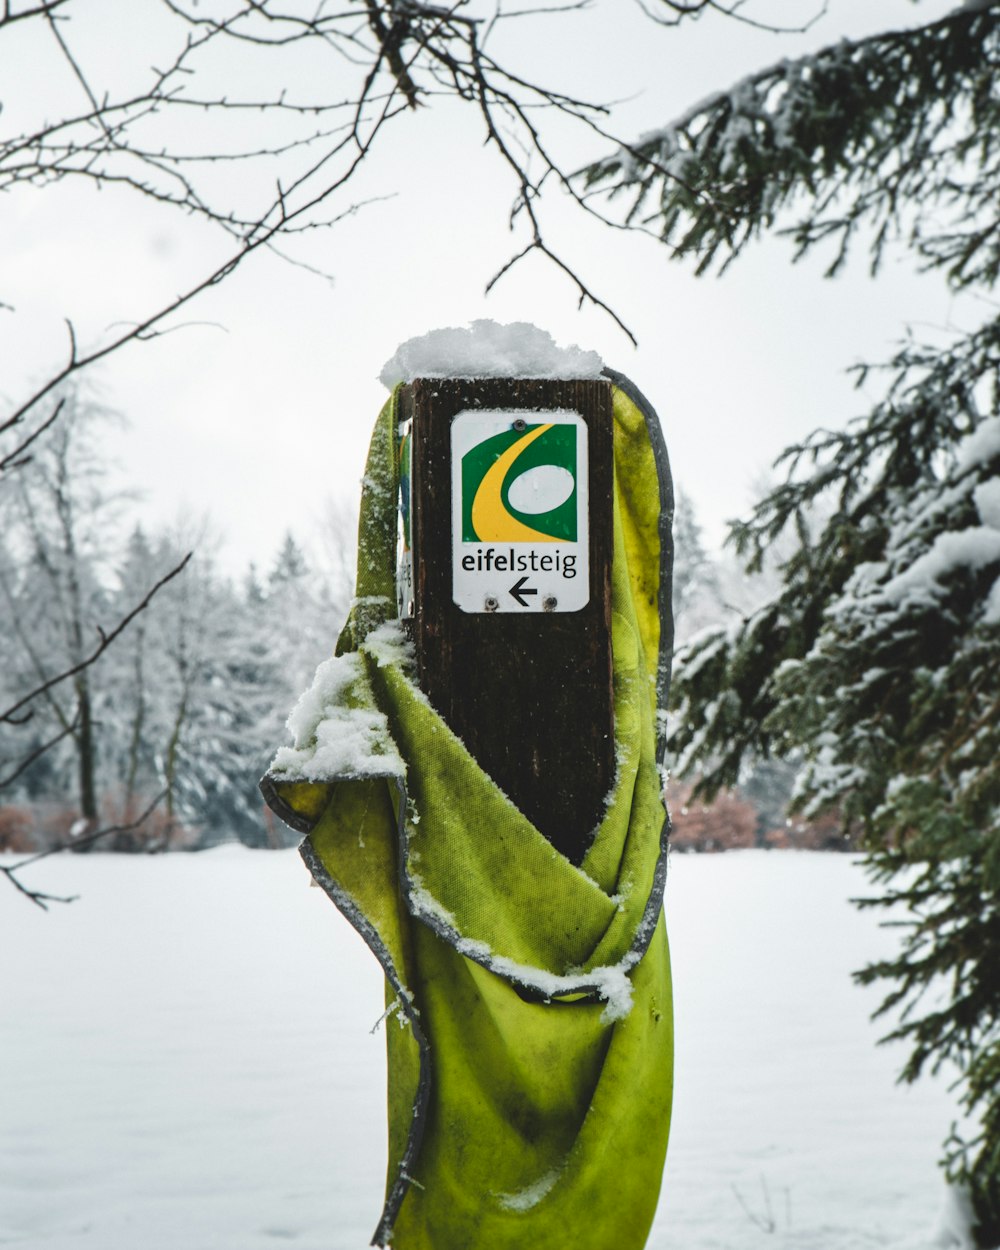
{"points": [[487, 349]]}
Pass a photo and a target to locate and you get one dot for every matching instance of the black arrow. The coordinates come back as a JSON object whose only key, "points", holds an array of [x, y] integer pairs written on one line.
{"points": [[519, 590]]}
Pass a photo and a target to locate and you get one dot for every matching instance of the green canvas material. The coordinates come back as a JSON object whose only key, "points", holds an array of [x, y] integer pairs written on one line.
{"points": [[529, 1034]]}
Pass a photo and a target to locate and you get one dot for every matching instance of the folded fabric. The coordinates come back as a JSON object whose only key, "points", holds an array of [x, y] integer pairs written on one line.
{"points": [[529, 1027]]}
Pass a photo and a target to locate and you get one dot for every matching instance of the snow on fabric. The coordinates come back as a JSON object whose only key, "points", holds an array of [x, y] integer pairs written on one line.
{"points": [[388, 644], [610, 982], [487, 349], [532, 1195], [332, 735]]}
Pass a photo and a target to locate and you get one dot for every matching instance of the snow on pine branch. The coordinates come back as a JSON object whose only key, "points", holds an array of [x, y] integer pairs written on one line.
{"points": [[889, 611], [878, 130], [948, 526]]}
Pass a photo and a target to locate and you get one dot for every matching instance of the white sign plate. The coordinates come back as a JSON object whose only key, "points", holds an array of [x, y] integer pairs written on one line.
{"points": [[520, 519]]}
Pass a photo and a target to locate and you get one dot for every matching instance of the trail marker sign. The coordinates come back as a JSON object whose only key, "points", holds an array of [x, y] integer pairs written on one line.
{"points": [[506, 581], [520, 518]]}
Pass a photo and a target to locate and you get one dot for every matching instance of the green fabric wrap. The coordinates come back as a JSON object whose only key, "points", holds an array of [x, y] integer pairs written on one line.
{"points": [[530, 1037]]}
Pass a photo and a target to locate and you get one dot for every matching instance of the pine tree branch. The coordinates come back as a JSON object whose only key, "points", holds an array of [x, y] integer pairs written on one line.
{"points": [[866, 131]]}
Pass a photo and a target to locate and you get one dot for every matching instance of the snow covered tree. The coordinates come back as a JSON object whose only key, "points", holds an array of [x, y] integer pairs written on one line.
{"points": [[55, 518], [61, 615], [189, 701], [879, 657], [290, 565], [192, 748], [229, 664], [697, 592], [131, 760]]}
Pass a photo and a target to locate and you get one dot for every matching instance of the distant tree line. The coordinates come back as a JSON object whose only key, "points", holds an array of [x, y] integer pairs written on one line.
{"points": [[188, 704]]}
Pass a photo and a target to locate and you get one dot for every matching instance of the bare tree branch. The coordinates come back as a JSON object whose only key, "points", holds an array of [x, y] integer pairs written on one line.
{"points": [[409, 52], [37, 754], [7, 18], [106, 639], [680, 10], [14, 459]]}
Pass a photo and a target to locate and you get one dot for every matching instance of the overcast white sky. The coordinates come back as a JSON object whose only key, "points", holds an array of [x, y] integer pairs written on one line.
{"points": [[261, 411]]}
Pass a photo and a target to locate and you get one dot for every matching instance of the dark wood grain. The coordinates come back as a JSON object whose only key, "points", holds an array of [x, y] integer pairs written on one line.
{"points": [[529, 693]]}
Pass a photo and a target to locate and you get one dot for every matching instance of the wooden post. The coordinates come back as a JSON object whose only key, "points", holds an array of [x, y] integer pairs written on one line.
{"points": [[511, 534]]}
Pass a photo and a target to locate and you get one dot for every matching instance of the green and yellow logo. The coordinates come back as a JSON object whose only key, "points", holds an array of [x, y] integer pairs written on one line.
{"points": [[519, 486]]}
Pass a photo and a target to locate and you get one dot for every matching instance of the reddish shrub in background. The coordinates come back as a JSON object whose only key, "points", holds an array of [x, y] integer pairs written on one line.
{"points": [[727, 823], [16, 830], [54, 824], [51, 826]]}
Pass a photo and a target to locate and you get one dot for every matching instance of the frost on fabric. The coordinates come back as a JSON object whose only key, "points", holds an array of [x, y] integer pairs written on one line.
{"points": [[334, 732], [388, 644], [531, 1195], [486, 349], [610, 982]]}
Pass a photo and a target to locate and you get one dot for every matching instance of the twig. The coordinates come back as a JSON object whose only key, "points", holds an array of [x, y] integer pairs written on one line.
{"points": [[106, 639], [39, 751], [16, 458], [766, 1222], [42, 899]]}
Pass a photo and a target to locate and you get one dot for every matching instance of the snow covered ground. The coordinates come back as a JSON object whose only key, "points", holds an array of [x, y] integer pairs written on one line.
{"points": [[186, 1061]]}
